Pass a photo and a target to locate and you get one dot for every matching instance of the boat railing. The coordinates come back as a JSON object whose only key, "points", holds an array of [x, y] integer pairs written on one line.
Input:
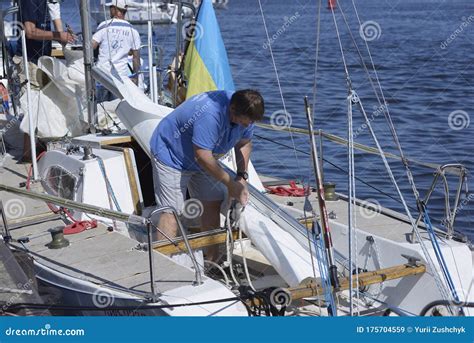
{"points": [[450, 214], [168, 209], [342, 141]]}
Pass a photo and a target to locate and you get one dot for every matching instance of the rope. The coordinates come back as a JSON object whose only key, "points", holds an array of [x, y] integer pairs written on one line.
{"points": [[244, 259], [309, 208], [440, 257], [319, 245], [230, 248], [20, 306], [292, 191]]}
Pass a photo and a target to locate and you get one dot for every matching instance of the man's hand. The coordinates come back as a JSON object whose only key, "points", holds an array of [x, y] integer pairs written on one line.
{"points": [[64, 37], [239, 191]]}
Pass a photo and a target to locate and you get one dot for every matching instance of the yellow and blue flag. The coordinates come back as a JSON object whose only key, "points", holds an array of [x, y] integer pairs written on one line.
{"points": [[206, 64]]}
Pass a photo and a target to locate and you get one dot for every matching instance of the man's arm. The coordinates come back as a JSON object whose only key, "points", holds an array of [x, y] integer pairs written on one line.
{"points": [[58, 25], [32, 32], [136, 65], [207, 161], [242, 154], [95, 45]]}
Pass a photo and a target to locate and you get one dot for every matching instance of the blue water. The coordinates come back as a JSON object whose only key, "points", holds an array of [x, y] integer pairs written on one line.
{"points": [[425, 75]]}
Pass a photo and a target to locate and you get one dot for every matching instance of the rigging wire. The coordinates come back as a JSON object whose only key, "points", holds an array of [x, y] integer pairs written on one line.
{"points": [[437, 278], [351, 205], [316, 60], [385, 110], [428, 258], [307, 204], [440, 258], [336, 167], [389, 118], [278, 79], [323, 263]]}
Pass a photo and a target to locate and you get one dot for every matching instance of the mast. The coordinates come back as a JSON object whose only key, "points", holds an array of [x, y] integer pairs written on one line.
{"points": [[31, 126], [179, 29], [322, 202], [151, 64], [88, 60]]}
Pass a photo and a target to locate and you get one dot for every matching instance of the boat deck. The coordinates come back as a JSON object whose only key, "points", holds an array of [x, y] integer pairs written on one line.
{"points": [[374, 219], [96, 255]]}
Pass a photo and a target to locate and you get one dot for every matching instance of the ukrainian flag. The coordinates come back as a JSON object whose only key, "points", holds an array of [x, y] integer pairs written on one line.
{"points": [[206, 65]]}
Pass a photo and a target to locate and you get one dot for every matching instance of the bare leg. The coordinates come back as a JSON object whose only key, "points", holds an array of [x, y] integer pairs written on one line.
{"points": [[168, 225], [26, 148], [210, 219]]}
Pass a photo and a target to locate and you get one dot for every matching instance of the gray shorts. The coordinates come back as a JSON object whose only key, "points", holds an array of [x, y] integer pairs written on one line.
{"points": [[171, 185]]}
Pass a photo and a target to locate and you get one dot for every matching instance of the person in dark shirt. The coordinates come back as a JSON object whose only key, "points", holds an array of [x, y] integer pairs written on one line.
{"points": [[36, 21], [34, 15]]}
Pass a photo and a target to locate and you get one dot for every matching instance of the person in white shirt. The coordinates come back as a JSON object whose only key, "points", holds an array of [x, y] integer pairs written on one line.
{"points": [[116, 38], [54, 9]]}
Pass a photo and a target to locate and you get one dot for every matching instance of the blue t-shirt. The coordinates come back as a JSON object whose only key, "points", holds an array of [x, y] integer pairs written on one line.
{"points": [[202, 120], [37, 12]]}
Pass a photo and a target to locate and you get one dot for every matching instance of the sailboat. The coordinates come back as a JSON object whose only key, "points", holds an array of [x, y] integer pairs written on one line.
{"points": [[96, 244], [139, 12]]}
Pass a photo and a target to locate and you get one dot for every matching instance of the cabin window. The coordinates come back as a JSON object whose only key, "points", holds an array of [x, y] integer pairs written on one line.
{"points": [[60, 182]]}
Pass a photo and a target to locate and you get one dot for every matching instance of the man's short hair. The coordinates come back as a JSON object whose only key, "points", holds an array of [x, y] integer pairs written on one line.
{"points": [[249, 103]]}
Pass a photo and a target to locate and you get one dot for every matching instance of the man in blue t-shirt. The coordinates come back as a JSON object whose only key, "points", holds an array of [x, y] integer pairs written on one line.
{"points": [[185, 146]]}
